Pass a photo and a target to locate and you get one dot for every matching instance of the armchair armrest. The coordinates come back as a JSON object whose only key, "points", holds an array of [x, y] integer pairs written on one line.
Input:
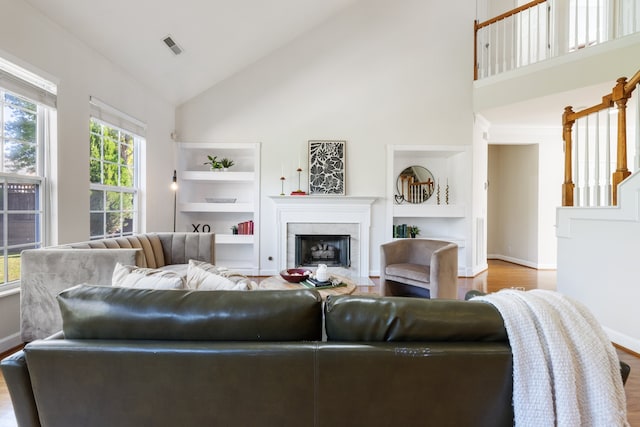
{"points": [[444, 272]]}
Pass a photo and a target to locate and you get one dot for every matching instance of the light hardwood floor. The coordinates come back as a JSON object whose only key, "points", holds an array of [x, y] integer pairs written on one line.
{"points": [[499, 275]]}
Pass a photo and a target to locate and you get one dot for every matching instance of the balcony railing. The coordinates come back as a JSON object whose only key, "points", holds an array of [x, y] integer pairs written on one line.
{"points": [[543, 29]]}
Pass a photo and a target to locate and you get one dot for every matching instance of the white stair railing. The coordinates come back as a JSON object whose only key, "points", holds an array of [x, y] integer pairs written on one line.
{"points": [[543, 29]]}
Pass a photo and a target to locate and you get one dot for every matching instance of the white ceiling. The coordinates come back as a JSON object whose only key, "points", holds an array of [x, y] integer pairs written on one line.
{"points": [[219, 37]]}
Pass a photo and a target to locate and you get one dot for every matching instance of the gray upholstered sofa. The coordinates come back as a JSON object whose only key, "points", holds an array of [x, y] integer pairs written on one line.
{"points": [[139, 357], [47, 271]]}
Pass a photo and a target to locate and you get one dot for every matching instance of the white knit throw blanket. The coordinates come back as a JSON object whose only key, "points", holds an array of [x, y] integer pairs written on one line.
{"points": [[565, 369]]}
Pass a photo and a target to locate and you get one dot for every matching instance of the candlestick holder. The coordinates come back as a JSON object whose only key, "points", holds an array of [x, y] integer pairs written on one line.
{"points": [[282, 178], [446, 193], [298, 192], [438, 193]]}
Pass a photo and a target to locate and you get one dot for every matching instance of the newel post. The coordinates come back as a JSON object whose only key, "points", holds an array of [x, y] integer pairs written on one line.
{"points": [[620, 97], [568, 185]]}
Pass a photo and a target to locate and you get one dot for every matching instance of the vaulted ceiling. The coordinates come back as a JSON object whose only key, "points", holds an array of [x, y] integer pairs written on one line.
{"points": [[218, 37]]}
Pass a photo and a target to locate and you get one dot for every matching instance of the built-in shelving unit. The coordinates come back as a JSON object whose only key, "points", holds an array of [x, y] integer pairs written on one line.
{"points": [[449, 165], [217, 200]]}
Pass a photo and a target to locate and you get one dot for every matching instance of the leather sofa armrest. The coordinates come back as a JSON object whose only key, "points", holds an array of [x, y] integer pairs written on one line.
{"points": [[16, 375]]}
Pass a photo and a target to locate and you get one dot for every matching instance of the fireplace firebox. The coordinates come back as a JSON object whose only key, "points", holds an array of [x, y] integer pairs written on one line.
{"points": [[330, 249]]}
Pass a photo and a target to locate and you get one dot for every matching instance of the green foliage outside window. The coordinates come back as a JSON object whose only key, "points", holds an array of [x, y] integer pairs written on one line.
{"points": [[112, 164], [20, 135]]}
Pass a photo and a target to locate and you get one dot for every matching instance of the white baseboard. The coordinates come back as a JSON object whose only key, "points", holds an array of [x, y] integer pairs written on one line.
{"points": [[623, 340], [523, 262], [9, 342]]}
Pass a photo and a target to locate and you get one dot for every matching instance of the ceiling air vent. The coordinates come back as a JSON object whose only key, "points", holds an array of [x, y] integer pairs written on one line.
{"points": [[177, 50]]}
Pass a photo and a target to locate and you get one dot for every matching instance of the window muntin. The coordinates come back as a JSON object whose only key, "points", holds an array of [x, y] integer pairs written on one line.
{"points": [[113, 197]]}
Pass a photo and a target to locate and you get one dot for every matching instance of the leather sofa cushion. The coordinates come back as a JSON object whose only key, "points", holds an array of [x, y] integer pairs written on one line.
{"points": [[370, 318], [103, 312]]}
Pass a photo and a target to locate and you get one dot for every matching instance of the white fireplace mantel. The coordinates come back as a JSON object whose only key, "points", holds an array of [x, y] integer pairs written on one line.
{"points": [[324, 209]]}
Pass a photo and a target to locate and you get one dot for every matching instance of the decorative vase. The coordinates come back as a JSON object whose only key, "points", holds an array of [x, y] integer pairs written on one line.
{"points": [[322, 274]]}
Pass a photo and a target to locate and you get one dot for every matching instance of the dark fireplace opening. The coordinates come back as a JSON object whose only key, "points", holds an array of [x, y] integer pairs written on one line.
{"points": [[334, 250]]}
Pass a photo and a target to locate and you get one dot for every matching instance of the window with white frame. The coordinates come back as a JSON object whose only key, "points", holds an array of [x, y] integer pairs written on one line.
{"points": [[27, 103], [114, 182]]}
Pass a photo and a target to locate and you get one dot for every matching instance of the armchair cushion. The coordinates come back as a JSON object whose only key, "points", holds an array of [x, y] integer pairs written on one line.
{"points": [[409, 271]]}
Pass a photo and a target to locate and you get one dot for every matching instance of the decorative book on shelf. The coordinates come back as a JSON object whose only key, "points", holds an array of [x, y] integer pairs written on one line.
{"points": [[245, 227]]}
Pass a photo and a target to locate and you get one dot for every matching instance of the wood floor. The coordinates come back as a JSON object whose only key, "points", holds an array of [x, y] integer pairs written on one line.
{"points": [[499, 275]]}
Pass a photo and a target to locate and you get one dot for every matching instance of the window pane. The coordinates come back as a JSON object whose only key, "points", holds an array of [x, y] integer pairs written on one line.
{"points": [[22, 197], [113, 223], [1, 232], [1, 196], [20, 157], [96, 200], [113, 201], [95, 147], [19, 101], [95, 172], [22, 228], [110, 174], [126, 154], [126, 177], [96, 224], [110, 150], [19, 124], [127, 222]]}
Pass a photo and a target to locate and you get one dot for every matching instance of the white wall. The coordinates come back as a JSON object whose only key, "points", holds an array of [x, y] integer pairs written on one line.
{"points": [[598, 262], [526, 167], [379, 73], [513, 193], [32, 41]]}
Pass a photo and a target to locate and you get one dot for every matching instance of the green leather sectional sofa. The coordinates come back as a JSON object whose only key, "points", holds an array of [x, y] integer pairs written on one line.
{"points": [[133, 357]]}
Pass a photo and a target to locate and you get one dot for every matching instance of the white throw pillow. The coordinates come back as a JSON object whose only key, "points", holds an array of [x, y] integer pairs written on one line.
{"points": [[131, 276], [208, 277]]}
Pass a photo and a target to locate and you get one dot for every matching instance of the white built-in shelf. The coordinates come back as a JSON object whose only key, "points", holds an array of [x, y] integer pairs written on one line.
{"points": [[218, 176], [428, 211], [216, 207], [241, 182], [234, 239]]}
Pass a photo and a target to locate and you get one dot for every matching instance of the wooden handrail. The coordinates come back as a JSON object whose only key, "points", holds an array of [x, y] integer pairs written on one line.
{"points": [[508, 14], [477, 26], [618, 97], [632, 82], [607, 102]]}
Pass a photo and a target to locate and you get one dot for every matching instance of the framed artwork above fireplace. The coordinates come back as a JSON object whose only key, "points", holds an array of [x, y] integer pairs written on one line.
{"points": [[327, 167]]}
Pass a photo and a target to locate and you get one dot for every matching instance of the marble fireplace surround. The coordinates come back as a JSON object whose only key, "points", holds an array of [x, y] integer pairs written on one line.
{"points": [[324, 215]]}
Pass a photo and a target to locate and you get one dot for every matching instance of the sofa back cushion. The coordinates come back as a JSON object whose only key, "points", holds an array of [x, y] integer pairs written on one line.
{"points": [[152, 255], [370, 318], [103, 312]]}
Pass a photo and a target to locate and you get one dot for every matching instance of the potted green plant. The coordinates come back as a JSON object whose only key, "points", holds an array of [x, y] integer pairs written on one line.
{"points": [[226, 163], [413, 230], [214, 163]]}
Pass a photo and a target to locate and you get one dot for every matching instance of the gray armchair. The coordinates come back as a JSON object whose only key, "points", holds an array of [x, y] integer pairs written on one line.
{"points": [[419, 267]]}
